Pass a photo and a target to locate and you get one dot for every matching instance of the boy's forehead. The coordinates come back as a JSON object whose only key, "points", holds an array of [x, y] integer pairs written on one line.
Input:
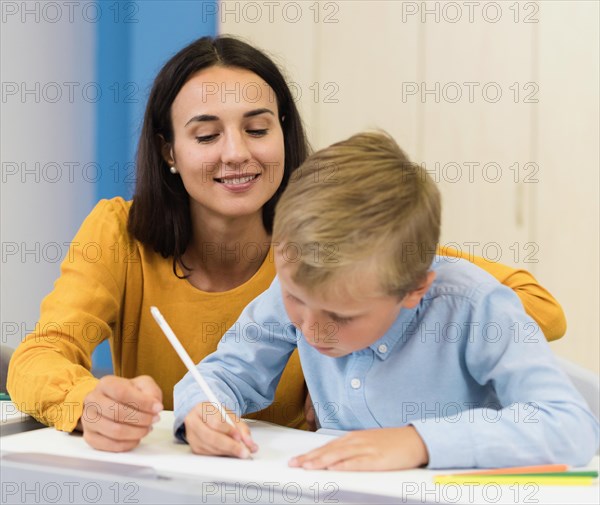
{"points": [[346, 286]]}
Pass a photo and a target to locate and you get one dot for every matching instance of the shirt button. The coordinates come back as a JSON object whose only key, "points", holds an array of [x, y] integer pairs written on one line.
{"points": [[382, 348], [355, 383]]}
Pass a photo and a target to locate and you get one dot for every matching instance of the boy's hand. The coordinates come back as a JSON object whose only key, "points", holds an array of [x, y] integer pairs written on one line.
{"points": [[119, 412], [209, 434], [380, 449]]}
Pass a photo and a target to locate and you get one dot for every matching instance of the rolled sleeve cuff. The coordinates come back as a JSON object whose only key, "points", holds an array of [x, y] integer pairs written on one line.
{"points": [[72, 407], [184, 403]]}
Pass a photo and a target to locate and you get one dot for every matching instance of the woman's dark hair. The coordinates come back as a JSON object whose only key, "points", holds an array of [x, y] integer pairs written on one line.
{"points": [[160, 213]]}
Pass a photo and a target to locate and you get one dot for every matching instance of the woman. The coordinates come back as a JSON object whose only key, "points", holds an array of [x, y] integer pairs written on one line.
{"points": [[220, 139]]}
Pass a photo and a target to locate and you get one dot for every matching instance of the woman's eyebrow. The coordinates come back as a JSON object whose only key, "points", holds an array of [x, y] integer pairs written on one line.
{"points": [[209, 117], [201, 118], [256, 112]]}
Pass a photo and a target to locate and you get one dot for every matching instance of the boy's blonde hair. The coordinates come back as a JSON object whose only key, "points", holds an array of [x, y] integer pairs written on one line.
{"points": [[357, 207]]}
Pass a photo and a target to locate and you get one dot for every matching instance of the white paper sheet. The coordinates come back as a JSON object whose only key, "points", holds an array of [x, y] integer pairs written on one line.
{"points": [[160, 451], [269, 466]]}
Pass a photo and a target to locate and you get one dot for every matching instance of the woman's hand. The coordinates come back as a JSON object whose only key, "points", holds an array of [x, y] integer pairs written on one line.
{"points": [[208, 433], [119, 412], [380, 449]]}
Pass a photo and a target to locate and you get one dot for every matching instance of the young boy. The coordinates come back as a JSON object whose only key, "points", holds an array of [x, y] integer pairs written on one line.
{"points": [[426, 360]]}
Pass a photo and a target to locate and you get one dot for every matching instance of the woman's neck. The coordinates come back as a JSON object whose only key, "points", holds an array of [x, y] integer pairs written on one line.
{"points": [[225, 252]]}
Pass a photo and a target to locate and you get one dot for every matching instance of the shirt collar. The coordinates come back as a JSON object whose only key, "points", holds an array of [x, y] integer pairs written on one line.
{"points": [[397, 334]]}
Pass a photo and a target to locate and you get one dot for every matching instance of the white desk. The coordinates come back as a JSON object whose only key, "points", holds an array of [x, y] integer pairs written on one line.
{"points": [[161, 469]]}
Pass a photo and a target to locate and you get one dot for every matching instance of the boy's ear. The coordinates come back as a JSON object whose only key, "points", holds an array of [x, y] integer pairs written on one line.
{"points": [[166, 150], [412, 299]]}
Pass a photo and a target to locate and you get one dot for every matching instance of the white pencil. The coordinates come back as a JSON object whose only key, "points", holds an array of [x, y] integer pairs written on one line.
{"points": [[187, 361]]}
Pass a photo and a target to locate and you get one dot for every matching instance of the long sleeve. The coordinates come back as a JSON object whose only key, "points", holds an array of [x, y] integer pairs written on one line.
{"points": [[536, 300], [537, 416], [246, 368], [49, 373]]}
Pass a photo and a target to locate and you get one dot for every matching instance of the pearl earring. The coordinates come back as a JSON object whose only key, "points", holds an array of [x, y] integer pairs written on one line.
{"points": [[173, 170]]}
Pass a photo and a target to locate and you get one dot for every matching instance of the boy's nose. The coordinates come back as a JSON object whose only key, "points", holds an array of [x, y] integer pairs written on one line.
{"points": [[310, 328]]}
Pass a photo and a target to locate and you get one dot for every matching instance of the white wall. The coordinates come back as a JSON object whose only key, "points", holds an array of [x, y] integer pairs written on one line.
{"points": [[42, 206], [519, 175], [567, 203]]}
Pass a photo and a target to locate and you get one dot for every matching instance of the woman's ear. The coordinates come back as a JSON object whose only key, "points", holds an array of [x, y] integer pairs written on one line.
{"points": [[412, 299], [166, 150]]}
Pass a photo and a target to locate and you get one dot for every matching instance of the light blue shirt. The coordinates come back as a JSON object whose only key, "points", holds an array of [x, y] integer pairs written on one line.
{"points": [[468, 368]]}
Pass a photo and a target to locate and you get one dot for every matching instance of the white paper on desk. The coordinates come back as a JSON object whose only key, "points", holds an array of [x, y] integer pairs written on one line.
{"points": [[269, 467]]}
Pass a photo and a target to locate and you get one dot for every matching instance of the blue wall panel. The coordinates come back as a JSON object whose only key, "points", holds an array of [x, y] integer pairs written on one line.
{"points": [[134, 40]]}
